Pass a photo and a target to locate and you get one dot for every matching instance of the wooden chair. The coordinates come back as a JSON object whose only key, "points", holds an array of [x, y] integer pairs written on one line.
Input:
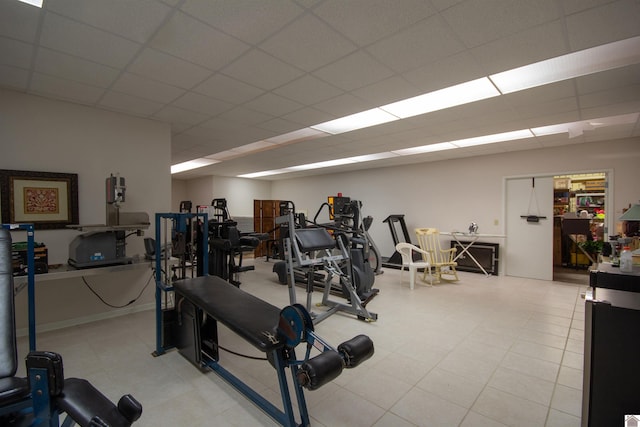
{"points": [[406, 250], [442, 260]]}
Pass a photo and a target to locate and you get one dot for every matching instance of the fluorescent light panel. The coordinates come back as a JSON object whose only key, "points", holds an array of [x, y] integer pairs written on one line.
{"points": [[36, 3], [490, 139], [192, 164], [297, 136], [365, 119], [463, 93], [588, 61], [425, 149]]}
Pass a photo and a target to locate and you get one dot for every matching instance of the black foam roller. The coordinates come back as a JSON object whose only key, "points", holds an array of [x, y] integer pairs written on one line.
{"points": [[356, 350], [318, 371]]}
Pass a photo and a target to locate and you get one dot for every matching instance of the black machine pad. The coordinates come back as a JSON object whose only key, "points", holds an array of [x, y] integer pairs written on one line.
{"points": [[250, 317], [314, 239]]}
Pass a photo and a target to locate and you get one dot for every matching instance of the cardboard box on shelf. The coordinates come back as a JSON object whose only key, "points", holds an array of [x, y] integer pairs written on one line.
{"points": [[562, 183]]}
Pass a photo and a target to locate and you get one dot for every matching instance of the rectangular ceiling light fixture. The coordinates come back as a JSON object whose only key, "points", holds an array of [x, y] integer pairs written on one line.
{"points": [[425, 149], [297, 136], [464, 93], [36, 3], [365, 119], [371, 157], [576, 64], [263, 173], [490, 139], [192, 164], [320, 165], [577, 128]]}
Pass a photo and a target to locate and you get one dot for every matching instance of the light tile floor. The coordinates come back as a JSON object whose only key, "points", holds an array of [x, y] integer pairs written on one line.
{"points": [[486, 351]]}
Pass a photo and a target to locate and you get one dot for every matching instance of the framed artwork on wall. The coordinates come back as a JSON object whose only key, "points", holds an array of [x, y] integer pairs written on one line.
{"points": [[49, 200]]}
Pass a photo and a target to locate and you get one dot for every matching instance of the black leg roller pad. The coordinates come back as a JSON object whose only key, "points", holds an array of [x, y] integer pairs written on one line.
{"points": [[81, 401]]}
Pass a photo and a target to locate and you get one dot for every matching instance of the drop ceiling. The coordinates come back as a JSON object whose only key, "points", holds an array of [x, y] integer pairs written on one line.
{"points": [[227, 73]]}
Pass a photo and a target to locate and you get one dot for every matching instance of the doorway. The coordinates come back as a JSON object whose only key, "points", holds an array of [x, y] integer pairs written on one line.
{"points": [[579, 231]]}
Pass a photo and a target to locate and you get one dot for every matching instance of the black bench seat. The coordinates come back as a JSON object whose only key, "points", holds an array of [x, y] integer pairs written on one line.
{"points": [[253, 319]]}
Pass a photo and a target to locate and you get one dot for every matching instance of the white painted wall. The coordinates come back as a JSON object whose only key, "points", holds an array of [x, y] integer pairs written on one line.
{"points": [[239, 192], [449, 194], [38, 134]]}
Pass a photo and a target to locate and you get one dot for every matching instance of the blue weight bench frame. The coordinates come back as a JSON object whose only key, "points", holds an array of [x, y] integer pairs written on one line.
{"points": [[269, 329], [246, 315]]}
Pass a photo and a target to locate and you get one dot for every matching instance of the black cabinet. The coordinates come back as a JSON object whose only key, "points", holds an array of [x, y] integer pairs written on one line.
{"points": [[611, 386]]}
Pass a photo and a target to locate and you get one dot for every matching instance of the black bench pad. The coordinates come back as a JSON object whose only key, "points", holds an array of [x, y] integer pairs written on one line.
{"points": [[82, 402], [250, 317], [314, 239], [13, 389]]}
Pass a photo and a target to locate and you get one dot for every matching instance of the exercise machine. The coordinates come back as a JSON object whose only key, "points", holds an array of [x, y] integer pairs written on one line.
{"points": [[227, 244], [395, 260], [312, 251], [45, 394], [202, 303]]}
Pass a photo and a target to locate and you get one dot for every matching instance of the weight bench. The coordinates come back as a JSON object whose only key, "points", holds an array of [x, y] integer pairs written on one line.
{"points": [[39, 399], [269, 329]]}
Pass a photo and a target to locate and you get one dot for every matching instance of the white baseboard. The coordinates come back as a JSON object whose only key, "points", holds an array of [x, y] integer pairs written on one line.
{"points": [[23, 332]]}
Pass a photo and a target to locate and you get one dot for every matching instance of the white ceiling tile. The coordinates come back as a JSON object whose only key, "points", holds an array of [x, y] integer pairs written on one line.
{"points": [[81, 40], [248, 20], [479, 22], [613, 96], [13, 77], [173, 114], [209, 134], [308, 90], [279, 126], [66, 66], [354, 71], [343, 105], [626, 76], [613, 21], [273, 104], [188, 38], [411, 51], [541, 94], [168, 69], [129, 104], [386, 91], [308, 116], [228, 89], [136, 20], [147, 89], [532, 45], [446, 72], [15, 53], [423, 43], [64, 89], [245, 116], [201, 103], [19, 20], [264, 71], [315, 45], [445, 4], [366, 21]]}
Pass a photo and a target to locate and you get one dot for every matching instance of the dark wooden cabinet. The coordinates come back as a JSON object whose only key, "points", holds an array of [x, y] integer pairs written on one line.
{"points": [[265, 213]]}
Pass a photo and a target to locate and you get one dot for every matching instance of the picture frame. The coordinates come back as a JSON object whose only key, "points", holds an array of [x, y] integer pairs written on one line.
{"points": [[48, 200]]}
